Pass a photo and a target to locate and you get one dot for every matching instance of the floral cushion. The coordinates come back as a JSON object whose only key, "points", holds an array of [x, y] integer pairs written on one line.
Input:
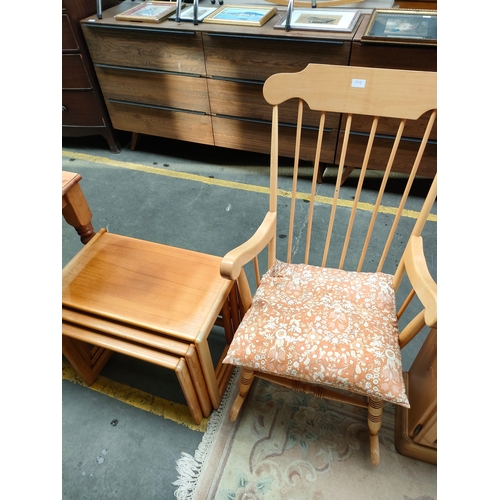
{"points": [[324, 326]]}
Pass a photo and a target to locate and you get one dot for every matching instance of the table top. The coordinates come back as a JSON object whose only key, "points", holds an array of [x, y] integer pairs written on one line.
{"points": [[158, 288], [69, 179]]}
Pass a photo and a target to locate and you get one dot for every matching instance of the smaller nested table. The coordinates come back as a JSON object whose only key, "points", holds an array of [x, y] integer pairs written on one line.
{"points": [[75, 209]]}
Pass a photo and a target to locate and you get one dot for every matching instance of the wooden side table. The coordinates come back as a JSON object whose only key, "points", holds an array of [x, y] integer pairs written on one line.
{"points": [[75, 209], [416, 428]]}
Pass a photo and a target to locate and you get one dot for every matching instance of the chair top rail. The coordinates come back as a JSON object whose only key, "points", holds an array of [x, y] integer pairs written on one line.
{"points": [[352, 89]]}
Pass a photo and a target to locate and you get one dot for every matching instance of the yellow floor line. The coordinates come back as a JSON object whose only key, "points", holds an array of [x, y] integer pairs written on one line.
{"points": [[167, 409], [412, 214]]}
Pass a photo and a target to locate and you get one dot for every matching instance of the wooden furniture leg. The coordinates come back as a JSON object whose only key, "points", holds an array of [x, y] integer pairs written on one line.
{"points": [[375, 407], [209, 372], [346, 173], [246, 379], [86, 360], [223, 371], [200, 386], [133, 142], [217, 380], [235, 311], [186, 383], [75, 335], [75, 209]]}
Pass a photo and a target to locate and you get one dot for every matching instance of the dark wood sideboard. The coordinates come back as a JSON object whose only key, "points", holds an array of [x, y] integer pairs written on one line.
{"points": [[204, 83], [83, 109]]}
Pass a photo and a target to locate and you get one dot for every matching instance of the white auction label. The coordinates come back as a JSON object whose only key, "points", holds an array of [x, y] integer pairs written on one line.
{"points": [[356, 82]]}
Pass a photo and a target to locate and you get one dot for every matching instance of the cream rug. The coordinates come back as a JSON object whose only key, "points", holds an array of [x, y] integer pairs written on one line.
{"points": [[287, 445]]}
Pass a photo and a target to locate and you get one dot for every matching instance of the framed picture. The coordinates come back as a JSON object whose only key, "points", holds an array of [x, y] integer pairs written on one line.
{"points": [[148, 12], [245, 15], [322, 19], [416, 27], [187, 13]]}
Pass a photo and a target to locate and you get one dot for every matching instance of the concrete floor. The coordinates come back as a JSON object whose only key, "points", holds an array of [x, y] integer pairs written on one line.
{"points": [[111, 449]]}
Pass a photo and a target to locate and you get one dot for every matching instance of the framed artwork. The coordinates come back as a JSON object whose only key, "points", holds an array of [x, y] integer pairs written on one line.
{"points": [[244, 15], [148, 12], [322, 19], [187, 13], [416, 27]]}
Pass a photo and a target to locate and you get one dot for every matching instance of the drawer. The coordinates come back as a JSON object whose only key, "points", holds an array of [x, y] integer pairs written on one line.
{"points": [[180, 52], [381, 150], [74, 74], [257, 58], [69, 42], [419, 58], [253, 136], [389, 126], [153, 87], [81, 109], [245, 99], [174, 124]]}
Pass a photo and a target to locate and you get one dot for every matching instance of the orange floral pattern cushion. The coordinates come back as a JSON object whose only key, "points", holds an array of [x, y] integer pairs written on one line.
{"points": [[325, 326]]}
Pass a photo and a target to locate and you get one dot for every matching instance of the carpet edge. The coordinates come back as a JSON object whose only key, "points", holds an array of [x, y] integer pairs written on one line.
{"points": [[190, 467]]}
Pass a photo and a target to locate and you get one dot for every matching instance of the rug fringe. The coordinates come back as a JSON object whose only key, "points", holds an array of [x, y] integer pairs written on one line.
{"points": [[189, 467]]}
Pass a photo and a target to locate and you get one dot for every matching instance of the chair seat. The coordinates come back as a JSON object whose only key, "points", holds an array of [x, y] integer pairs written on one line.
{"points": [[165, 289], [324, 326]]}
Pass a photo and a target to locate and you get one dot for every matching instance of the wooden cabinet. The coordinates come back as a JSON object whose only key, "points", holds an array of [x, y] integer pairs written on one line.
{"points": [[204, 83], [83, 108], [400, 56], [416, 428], [153, 80]]}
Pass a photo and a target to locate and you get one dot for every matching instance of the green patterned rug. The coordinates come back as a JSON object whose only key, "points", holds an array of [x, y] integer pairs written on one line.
{"points": [[287, 445]]}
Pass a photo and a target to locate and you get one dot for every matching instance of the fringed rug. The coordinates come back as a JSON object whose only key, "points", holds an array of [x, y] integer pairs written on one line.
{"points": [[287, 445]]}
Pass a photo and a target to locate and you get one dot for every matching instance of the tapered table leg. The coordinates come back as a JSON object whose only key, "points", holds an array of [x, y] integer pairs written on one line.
{"points": [[75, 209]]}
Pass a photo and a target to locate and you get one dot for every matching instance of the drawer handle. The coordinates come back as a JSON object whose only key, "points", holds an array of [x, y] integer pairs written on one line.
{"points": [[273, 39], [140, 29], [392, 137], [65, 109]]}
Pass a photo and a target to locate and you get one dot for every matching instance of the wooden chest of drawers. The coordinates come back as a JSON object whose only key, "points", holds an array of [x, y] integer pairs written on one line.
{"points": [[153, 80], [83, 109], [204, 83]]}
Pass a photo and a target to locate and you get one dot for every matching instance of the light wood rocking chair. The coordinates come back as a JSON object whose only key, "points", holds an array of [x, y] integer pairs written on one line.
{"points": [[332, 328]]}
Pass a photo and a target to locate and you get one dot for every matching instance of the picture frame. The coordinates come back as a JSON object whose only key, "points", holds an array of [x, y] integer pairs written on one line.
{"points": [[187, 13], [148, 12], [249, 15], [406, 26], [343, 20]]}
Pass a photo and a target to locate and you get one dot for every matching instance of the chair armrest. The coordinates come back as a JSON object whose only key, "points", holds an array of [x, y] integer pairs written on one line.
{"points": [[235, 259], [415, 265]]}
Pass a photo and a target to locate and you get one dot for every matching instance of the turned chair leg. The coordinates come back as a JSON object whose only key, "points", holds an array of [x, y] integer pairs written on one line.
{"points": [[375, 406], [246, 379]]}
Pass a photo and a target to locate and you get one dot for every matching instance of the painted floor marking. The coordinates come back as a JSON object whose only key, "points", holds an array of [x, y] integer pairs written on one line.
{"points": [[412, 214], [167, 409]]}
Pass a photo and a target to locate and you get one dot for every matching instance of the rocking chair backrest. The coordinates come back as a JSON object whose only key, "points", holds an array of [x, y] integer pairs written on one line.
{"points": [[357, 93]]}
